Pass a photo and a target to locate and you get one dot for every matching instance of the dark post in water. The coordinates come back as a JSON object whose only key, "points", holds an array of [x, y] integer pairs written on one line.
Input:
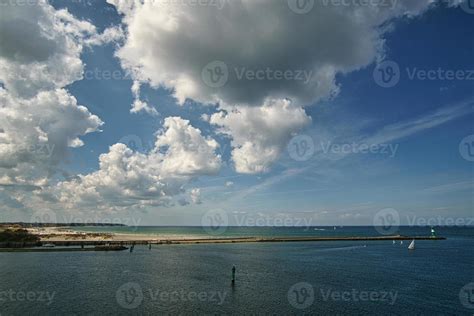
{"points": [[233, 275]]}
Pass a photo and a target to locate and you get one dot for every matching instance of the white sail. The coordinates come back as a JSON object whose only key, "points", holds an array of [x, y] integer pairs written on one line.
{"points": [[412, 245]]}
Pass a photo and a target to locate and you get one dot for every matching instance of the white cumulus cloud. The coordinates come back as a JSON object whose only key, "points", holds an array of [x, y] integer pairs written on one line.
{"points": [[131, 179], [39, 118], [247, 53], [259, 134]]}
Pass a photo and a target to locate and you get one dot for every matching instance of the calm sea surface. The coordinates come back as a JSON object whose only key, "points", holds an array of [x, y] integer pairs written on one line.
{"points": [[271, 278]]}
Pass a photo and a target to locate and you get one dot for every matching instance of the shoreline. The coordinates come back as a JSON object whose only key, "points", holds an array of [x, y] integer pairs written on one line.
{"points": [[168, 241], [69, 237]]}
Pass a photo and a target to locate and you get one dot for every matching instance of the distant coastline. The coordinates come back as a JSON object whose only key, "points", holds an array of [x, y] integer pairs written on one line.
{"points": [[67, 234]]}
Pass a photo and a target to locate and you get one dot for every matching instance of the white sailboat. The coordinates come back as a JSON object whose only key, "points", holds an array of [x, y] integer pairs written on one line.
{"points": [[412, 245], [401, 242], [393, 242]]}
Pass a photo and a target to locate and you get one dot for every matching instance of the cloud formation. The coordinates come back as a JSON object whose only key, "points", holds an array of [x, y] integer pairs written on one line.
{"points": [[132, 179], [39, 118], [169, 43], [275, 62], [259, 134], [42, 54], [250, 56], [36, 132]]}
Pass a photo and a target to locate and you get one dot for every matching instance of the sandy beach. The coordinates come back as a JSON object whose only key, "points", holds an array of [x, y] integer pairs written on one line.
{"points": [[55, 234]]}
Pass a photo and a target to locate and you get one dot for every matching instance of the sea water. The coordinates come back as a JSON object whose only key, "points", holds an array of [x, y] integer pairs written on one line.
{"points": [[373, 277]]}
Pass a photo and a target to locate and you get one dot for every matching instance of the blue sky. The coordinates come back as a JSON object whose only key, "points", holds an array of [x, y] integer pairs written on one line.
{"points": [[423, 122]]}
